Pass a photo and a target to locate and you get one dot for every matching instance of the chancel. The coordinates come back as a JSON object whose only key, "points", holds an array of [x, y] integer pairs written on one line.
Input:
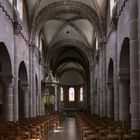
{"points": [[69, 70]]}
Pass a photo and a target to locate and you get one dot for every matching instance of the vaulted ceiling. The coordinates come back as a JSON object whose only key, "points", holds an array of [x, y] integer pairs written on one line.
{"points": [[62, 21]]}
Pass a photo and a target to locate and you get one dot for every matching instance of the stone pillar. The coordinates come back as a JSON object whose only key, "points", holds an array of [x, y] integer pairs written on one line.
{"points": [[15, 100], [95, 101], [116, 98], [8, 97], [98, 103], [110, 100], [92, 109], [124, 94], [25, 90], [134, 64], [85, 96], [58, 99], [65, 89], [77, 93], [101, 104], [31, 80], [37, 102], [55, 98]]}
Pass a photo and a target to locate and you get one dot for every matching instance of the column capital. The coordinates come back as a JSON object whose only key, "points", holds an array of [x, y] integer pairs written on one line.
{"points": [[109, 84], [91, 67], [123, 77], [7, 79], [24, 86]]}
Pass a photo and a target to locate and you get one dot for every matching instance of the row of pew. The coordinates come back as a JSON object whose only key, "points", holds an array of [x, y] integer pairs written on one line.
{"points": [[93, 127], [38, 128]]}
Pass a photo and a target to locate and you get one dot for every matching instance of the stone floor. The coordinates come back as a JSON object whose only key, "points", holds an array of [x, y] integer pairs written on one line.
{"points": [[66, 131]]}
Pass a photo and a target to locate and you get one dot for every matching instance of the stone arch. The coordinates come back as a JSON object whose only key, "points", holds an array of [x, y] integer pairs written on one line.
{"points": [[6, 66], [23, 96], [124, 81], [77, 44], [110, 90], [6, 84], [58, 8]]}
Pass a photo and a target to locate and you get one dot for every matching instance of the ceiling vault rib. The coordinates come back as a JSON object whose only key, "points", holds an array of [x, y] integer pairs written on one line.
{"points": [[72, 25], [80, 32], [98, 9], [76, 6], [34, 13]]}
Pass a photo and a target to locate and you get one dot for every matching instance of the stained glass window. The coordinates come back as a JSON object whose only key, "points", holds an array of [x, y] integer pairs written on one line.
{"points": [[61, 94], [71, 94], [81, 94]]}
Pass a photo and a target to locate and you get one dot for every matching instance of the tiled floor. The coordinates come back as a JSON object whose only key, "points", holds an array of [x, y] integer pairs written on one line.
{"points": [[66, 131]]}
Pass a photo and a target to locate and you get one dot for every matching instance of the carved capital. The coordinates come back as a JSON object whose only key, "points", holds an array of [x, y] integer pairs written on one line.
{"points": [[91, 68], [17, 27], [24, 86], [124, 75], [109, 84], [7, 79], [123, 78]]}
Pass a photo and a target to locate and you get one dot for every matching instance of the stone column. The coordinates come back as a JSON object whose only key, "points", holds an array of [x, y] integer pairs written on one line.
{"points": [[98, 103], [77, 93], [116, 98], [95, 101], [65, 90], [58, 99], [15, 99], [25, 90], [85, 96], [55, 98], [101, 104], [31, 80], [37, 102], [124, 103], [92, 109], [134, 63], [8, 97], [110, 100]]}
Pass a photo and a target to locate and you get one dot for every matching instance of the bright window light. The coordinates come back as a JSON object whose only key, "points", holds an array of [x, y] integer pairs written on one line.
{"points": [[71, 94]]}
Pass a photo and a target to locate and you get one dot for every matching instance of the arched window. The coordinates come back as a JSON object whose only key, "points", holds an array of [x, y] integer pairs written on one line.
{"points": [[81, 94], [97, 43], [112, 4], [40, 44], [20, 8], [61, 94], [71, 94]]}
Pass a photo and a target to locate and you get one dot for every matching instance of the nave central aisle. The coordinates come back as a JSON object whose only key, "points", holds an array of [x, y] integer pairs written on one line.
{"points": [[66, 131]]}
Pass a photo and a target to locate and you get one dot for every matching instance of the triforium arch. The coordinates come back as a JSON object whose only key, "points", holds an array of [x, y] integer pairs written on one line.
{"points": [[6, 85], [124, 81], [110, 90], [72, 7], [23, 91]]}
